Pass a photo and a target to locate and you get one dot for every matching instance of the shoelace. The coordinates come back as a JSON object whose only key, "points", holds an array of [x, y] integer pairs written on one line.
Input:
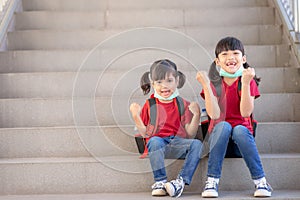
{"points": [[211, 185], [263, 184], [158, 185], [177, 183]]}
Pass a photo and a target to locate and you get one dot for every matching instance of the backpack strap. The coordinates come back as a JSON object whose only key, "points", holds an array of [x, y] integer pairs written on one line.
{"points": [[153, 116], [218, 87], [180, 105]]}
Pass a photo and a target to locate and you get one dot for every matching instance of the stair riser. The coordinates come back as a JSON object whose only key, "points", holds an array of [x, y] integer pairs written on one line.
{"points": [[48, 178], [43, 85], [142, 18], [57, 61], [37, 40], [95, 5], [110, 111], [81, 142]]}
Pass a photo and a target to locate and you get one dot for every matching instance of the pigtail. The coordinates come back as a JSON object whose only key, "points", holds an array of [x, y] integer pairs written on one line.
{"points": [[213, 74], [256, 78], [182, 79], [145, 83]]}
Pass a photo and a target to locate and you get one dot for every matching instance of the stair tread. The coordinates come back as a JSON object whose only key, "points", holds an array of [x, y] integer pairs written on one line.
{"points": [[142, 97], [110, 126], [118, 30], [122, 158], [133, 4], [44, 39], [229, 195]]}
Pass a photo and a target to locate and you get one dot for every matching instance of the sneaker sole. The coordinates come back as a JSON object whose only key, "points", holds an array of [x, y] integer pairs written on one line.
{"points": [[209, 194], [262, 194], [159, 192]]}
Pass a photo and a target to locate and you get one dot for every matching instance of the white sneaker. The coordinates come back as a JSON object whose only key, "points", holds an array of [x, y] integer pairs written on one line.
{"points": [[175, 187], [263, 189], [158, 189], [211, 189]]}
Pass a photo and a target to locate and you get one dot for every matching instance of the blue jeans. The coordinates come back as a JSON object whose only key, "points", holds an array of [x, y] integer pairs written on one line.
{"points": [[174, 147], [245, 143]]}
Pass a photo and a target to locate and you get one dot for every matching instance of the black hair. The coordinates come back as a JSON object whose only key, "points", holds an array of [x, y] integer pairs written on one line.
{"points": [[158, 71], [226, 44]]}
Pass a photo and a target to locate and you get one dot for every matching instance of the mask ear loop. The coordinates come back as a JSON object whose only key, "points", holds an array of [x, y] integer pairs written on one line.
{"points": [[218, 68]]}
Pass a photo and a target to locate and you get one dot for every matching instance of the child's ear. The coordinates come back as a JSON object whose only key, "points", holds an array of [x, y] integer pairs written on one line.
{"points": [[177, 80], [244, 59], [217, 61]]}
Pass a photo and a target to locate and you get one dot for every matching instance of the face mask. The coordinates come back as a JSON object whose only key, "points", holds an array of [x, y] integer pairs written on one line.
{"points": [[174, 95], [238, 73]]}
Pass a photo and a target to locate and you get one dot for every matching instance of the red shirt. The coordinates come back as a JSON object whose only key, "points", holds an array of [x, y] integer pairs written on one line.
{"points": [[169, 121], [230, 104]]}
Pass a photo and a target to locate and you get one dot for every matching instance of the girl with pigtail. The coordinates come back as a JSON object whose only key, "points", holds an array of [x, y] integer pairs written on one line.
{"points": [[174, 133], [229, 100]]}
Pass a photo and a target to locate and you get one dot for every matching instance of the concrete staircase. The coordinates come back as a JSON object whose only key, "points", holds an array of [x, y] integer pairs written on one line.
{"points": [[73, 67]]}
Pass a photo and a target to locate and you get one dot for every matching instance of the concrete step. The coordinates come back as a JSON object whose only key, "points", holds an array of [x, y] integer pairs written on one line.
{"points": [[86, 175], [168, 18], [61, 84], [60, 20], [271, 138], [91, 111], [71, 60], [197, 17], [228, 195], [141, 37], [95, 5]]}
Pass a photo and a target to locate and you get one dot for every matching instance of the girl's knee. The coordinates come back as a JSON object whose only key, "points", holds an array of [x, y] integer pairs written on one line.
{"points": [[223, 125], [196, 144], [240, 131], [155, 143], [222, 129]]}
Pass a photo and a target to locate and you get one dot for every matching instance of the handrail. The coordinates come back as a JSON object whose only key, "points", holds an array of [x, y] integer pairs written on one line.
{"points": [[297, 16], [2, 4], [7, 9], [289, 12], [292, 9]]}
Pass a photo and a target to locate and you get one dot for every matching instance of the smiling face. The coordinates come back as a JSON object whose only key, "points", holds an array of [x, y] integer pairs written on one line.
{"points": [[230, 60], [167, 86]]}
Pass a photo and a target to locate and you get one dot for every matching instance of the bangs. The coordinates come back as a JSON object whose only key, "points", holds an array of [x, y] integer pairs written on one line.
{"points": [[161, 69], [229, 43], [161, 72]]}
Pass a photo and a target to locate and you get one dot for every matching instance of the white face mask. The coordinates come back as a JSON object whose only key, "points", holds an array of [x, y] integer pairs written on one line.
{"points": [[174, 95]]}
